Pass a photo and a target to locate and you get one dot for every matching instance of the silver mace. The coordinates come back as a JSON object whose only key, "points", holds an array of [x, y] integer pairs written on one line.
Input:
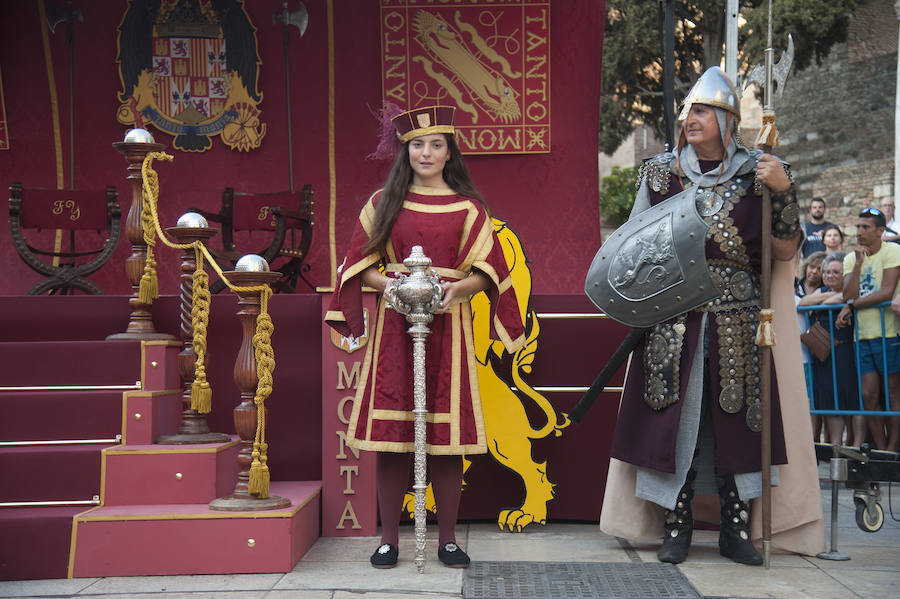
{"points": [[415, 296], [768, 137]]}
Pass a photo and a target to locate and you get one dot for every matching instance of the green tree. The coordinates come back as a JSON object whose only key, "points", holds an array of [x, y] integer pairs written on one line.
{"points": [[617, 193], [631, 87]]}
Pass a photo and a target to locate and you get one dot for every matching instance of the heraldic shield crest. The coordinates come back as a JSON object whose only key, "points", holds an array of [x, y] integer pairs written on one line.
{"points": [[653, 267], [190, 69]]}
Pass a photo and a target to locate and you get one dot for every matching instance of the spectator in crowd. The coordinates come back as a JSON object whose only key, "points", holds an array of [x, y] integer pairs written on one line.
{"points": [[871, 273], [842, 359], [833, 238], [891, 227], [814, 227], [811, 274], [811, 271]]}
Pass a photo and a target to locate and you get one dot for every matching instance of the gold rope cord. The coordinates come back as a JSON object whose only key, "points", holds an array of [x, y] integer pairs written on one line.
{"points": [[265, 366], [201, 392]]}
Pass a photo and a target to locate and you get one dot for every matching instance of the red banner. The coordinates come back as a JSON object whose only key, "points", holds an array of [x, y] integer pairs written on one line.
{"points": [[490, 59]]}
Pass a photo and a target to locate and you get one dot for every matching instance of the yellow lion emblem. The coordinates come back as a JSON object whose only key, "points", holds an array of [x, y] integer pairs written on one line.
{"points": [[508, 430]]}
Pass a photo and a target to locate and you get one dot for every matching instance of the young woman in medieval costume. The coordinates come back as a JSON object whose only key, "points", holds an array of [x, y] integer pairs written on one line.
{"points": [[689, 418], [428, 200]]}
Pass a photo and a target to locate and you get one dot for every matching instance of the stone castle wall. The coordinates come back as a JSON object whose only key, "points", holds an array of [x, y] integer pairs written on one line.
{"points": [[836, 120]]}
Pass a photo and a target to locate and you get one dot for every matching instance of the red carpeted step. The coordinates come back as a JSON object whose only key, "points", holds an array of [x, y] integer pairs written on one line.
{"points": [[50, 473], [44, 416], [46, 363], [36, 542], [78, 317]]}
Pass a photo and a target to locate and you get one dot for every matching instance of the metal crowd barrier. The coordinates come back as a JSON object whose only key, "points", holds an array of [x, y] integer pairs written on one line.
{"points": [[860, 469], [884, 307]]}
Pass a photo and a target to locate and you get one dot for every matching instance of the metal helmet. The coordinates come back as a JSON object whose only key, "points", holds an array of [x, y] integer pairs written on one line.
{"points": [[713, 88]]}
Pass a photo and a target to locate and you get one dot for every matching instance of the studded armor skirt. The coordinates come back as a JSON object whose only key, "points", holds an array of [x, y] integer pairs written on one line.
{"points": [[662, 368]]}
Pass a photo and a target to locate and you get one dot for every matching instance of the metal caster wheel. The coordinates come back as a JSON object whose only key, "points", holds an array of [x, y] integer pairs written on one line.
{"points": [[869, 520]]}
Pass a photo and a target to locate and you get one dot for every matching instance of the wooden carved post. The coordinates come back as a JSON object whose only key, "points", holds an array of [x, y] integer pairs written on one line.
{"points": [[245, 378], [194, 429], [138, 143]]}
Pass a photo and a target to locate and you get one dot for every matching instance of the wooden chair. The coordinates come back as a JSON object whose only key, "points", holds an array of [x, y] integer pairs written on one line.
{"points": [[285, 217], [76, 213]]}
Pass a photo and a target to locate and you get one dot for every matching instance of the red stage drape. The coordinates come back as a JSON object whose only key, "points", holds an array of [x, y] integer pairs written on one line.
{"points": [[549, 199]]}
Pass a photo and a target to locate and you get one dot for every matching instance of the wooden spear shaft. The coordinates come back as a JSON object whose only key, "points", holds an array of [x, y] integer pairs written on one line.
{"points": [[765, 378], [765, 352]]}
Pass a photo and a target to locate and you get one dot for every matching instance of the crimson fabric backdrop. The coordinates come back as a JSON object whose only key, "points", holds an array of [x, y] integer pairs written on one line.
{"points": [[549, 200]]}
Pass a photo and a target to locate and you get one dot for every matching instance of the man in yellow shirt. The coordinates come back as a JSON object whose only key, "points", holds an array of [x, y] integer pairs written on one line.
{"points": [[871, 273]]}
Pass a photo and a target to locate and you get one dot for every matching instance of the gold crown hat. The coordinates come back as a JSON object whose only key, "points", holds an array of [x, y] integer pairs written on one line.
{"points": [[424, 121], [713, 88]]}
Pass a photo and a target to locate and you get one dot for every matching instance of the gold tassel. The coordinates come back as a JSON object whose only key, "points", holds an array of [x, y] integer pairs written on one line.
{"points": [[768, 134], [259, 472], [765, 332], [201, 396], [265, 365], [201, 392], [149, 287]]}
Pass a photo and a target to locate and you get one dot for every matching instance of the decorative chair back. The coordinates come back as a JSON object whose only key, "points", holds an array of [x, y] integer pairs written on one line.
{"points": [[254, 212], [65, 266], [288, 216]]}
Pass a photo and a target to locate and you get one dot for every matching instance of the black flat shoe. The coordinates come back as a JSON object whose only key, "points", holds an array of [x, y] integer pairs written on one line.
{"points": [[739, 549], [675, 546], [452, 556], [385, 556]]}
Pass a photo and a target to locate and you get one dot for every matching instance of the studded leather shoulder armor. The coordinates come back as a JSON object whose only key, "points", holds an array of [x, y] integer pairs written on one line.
{"points": [[656, 170], [785, 214]]}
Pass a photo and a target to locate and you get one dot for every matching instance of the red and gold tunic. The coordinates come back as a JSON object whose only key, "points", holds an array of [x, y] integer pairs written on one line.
{"points": [[456, 233]]}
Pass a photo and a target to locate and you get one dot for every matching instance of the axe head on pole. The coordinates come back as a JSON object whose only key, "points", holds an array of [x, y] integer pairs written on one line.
{"points": [[780, 70], [58, 14], [298, 18]]}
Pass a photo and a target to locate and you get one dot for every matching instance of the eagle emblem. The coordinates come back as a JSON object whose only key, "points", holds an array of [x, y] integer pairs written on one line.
{"points": [[190, 68]]}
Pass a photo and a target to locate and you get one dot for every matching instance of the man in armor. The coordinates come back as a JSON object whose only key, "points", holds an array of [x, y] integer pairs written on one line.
{"points": [[690, 414]]}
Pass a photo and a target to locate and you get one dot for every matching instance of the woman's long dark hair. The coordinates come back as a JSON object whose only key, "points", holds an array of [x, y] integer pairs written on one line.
{"points": [[455, 175]]}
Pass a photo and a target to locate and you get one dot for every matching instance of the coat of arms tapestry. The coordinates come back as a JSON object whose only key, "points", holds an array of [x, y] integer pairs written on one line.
{"points": [[190, 68]]}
